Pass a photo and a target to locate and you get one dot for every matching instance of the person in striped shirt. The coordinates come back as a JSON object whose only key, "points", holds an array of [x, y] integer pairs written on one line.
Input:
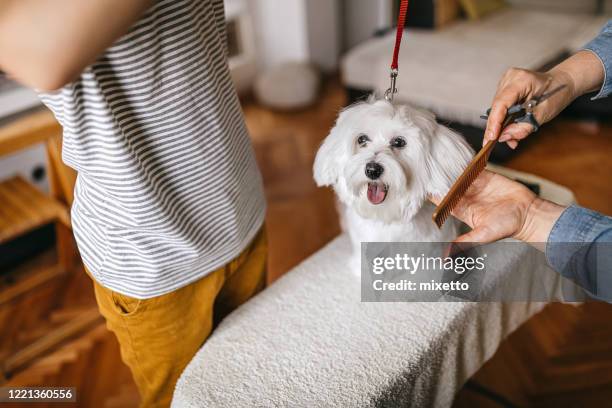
{"points": [[169, 206]]}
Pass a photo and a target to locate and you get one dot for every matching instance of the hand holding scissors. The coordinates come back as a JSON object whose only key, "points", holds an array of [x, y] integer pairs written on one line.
{"points": [[519, 93]]}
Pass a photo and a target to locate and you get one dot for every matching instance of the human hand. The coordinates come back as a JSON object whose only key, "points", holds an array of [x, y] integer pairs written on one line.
{"points": [[518, 85], [496, 207]]}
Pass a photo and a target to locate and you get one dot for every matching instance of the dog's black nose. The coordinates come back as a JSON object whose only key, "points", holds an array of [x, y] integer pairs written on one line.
{"points": [[374, 170]]}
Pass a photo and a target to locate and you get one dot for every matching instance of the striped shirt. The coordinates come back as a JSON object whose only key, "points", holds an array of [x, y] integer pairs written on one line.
{"points": [[168, 189]]}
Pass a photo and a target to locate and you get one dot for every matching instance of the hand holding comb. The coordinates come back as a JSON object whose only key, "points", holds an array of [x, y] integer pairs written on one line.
{"points": [[516, 113]]}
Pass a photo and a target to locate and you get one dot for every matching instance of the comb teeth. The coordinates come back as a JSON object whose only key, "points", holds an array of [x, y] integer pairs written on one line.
{"points": [[463, 183]]}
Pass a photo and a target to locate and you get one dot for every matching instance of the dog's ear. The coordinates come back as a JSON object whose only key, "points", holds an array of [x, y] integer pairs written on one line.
{"points": [[326, 167], [450, 154]]}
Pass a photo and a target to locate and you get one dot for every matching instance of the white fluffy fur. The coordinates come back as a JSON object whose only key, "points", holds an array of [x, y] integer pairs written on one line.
{"points": [[434, 156]]}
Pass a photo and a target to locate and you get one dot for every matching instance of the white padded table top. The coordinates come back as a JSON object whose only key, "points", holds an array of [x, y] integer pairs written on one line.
{"points": [[308, 341], [454, 71]]}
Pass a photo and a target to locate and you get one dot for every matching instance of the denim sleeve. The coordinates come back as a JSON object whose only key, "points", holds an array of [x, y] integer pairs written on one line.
{"points": [[579, 247], [602, 47]]}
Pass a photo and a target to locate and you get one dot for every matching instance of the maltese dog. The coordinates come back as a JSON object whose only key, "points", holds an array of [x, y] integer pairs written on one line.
{"points": [[383, 161]]}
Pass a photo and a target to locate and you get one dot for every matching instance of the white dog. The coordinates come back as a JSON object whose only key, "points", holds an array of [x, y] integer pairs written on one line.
{"points": [[383, 160]]}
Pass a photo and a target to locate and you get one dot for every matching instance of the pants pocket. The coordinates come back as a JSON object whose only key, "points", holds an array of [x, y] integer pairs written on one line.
{"points": [[113, 303], [125, 305]]}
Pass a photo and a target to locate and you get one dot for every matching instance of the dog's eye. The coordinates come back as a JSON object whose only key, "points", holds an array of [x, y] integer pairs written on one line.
{"points": [[398, 142], [362, 140]]}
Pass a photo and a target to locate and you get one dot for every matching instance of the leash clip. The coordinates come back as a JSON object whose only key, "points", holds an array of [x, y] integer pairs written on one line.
{"points": [[392, 89]]}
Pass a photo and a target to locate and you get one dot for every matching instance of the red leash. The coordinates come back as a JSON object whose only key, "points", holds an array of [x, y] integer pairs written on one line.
{"points": [[401, 20]]}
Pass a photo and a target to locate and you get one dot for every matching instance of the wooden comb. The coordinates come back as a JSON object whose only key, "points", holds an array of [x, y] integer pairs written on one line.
{"points": [[471, 172]]}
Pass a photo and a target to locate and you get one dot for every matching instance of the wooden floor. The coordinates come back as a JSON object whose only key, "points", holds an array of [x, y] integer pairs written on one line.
{"points": [[561, 357], [301, 217]]}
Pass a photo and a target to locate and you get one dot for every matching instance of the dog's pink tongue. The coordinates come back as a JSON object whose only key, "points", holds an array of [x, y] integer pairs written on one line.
{"points": [[376, 193]]}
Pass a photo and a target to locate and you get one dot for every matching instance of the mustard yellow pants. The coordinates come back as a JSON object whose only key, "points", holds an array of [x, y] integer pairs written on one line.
{"points": [[159, 336]]}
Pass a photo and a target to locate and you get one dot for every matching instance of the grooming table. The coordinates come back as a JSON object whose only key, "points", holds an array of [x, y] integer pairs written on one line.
{"points": [[308, 341]]}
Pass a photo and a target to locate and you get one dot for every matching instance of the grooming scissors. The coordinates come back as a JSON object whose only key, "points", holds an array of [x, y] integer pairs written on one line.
{"points": [[523, 112]]}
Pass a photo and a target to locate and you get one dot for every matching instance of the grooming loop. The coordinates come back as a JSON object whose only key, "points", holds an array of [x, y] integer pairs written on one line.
{"points": [[392, 90], [401, 21]]}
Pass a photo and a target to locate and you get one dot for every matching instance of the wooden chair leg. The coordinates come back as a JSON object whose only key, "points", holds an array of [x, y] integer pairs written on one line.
{"points": [[66, 248], [61, 177], [61, 181]]}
